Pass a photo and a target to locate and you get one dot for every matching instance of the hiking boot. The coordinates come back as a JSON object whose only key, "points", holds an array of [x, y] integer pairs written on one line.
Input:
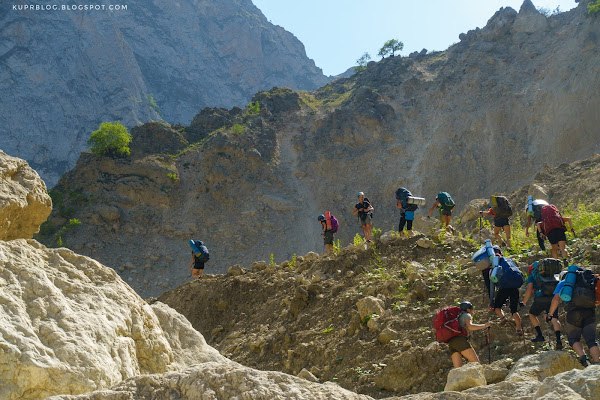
{"points": [[503, 244], [538, 338], [584, 361], [520, 332], [559, 345], [503, 321]]}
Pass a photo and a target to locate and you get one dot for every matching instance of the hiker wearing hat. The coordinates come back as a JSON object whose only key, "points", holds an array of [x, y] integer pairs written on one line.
{"points": [[542, 286], [329, 225], [444, 202], [508, 279], [364, 209], [459, 345]]}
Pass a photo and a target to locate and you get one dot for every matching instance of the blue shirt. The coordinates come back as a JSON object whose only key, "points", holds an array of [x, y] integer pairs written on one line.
{"points": [[559, 287]]}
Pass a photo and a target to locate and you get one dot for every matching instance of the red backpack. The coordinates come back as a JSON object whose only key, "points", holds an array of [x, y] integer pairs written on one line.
{"points": [[552, 219], [446, 324]]}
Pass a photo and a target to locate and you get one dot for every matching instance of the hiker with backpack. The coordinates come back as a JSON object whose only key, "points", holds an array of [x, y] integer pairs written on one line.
{"points": [[329, 225], [445, 204], [485, 259], [534, 211], [578, 289], [200, 256], [407, 204], [508, 278], [501, 210], [541, 283], [364, 209], [452, 325], [553, 227]]}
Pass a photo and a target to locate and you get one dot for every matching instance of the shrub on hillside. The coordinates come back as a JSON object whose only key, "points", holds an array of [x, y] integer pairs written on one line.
{"points": [[593, 7], [110, 139]]}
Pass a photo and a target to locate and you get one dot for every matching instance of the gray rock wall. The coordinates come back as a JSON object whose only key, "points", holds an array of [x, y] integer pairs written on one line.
{"points": [[64, 72]]}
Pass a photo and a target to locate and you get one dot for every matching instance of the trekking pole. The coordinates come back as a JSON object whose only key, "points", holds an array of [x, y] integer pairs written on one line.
{"points": [[548, 330], [489, 346], [480, 227]]}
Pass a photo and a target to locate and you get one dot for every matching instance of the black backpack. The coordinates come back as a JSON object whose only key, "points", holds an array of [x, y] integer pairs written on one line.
{"points": [[501, 207], [584, 291]]}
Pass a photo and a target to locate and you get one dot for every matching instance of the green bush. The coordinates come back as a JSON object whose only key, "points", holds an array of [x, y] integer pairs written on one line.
{"points": [[237, 129], [110, 139], [593, 8], [253, 108]]}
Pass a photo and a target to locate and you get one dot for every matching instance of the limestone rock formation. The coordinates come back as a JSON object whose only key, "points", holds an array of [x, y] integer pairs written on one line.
{"points": [[71, 325], [480, 118], [24, 202], [213, 381], [66, 71]]}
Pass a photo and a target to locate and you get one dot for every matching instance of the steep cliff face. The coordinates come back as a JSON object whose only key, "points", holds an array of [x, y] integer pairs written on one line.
{"points": [[64, 72], [479, 118]]}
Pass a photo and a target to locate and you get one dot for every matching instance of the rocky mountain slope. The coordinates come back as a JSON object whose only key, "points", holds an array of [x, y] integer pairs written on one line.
{"points": [[71, 325], [479, 118], [64, 72]]}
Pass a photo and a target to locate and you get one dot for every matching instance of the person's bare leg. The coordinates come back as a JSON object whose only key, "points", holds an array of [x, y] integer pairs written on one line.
{"points": [[507, 233], [457, 361], [470, 355]]}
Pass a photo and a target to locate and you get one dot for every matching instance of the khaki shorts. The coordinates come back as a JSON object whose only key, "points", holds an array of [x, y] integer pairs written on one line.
{"points": [[458, 344]]}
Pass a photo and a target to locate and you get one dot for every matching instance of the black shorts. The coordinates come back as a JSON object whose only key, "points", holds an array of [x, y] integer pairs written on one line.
{"points": [[445, 212], [556, 235], [542, 305], [500, 222], [503, 294], [199, 263], [582, 321], [328, 237]]}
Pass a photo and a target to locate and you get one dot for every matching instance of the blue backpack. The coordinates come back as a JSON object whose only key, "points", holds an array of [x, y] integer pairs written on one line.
{"points": [[512, 277], [199, 249]]}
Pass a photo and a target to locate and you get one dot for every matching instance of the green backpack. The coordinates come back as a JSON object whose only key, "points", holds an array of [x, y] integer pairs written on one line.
{"points": [[445, 200]]}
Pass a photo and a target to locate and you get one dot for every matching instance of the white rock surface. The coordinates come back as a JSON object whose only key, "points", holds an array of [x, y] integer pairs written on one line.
{"points": [[70, 325], [24, 202], [212, 381], [537, 367], [583, 383]]}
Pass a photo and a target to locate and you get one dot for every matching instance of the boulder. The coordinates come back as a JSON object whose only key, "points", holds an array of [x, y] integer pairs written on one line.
{"points": [[258, 266], [537, 367], [497, 371], [583, 383], [370, 305], [24, 201], [465, 377], [71, 325], [387, 335], [306, 374], [423, 224], [425, 243], [236, 270]]}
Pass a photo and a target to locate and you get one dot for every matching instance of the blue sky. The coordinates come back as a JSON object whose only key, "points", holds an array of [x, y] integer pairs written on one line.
{"points": [[336, 33]]}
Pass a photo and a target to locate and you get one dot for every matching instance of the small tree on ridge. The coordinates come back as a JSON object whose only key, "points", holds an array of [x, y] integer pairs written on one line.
{"points": [[390, 47], [110, 139]]}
